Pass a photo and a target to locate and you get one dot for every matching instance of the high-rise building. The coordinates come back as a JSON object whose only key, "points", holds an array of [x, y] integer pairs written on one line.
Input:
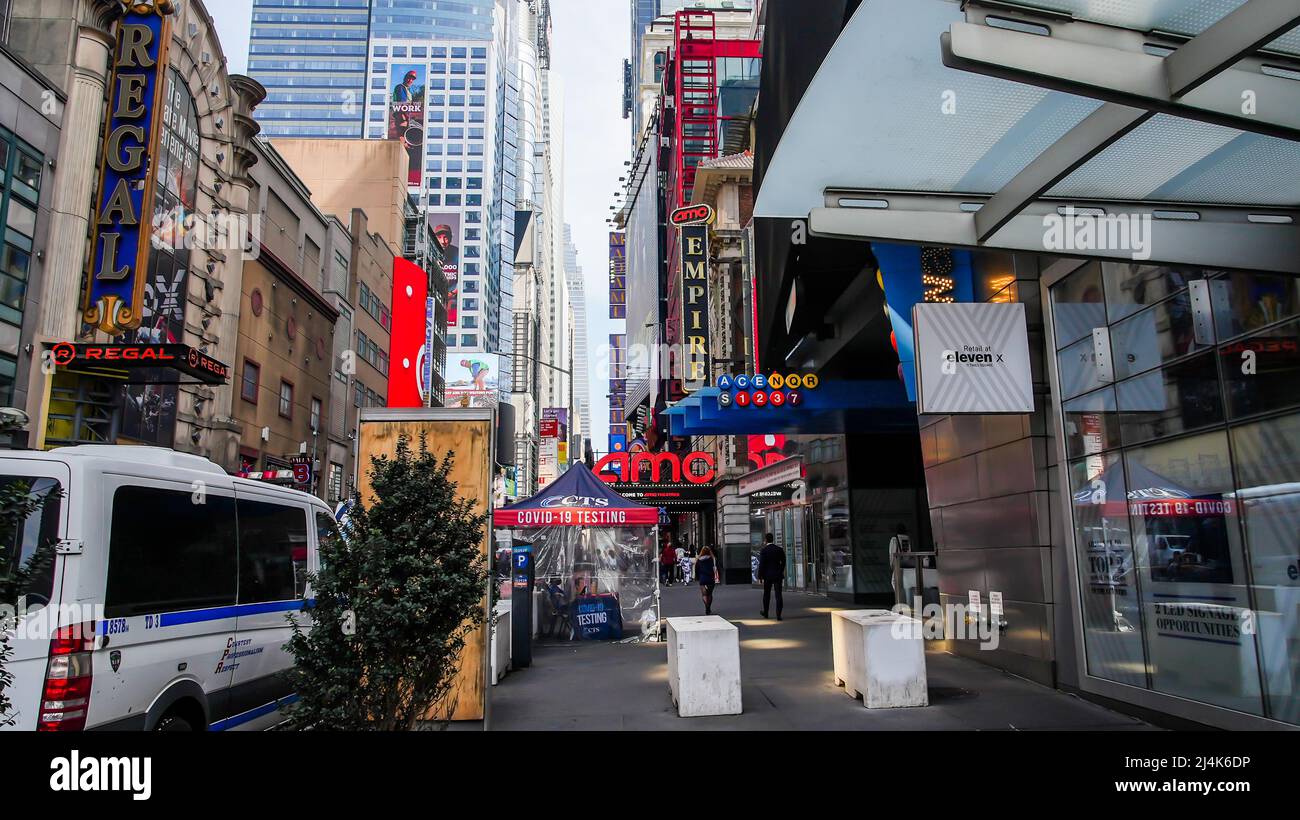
{"points": [[578, 304], [442, 79], [312, 62]]}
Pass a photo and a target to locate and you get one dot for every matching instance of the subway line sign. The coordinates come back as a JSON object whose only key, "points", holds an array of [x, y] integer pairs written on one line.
{"points": [[124, 213]]}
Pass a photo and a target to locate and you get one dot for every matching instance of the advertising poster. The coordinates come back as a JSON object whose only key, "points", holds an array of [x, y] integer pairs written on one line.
{"points": [[446, 252], [406, 114], [472, 379]]}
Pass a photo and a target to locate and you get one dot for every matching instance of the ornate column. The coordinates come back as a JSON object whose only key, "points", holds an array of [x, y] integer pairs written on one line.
{"points": [[76, 172]]}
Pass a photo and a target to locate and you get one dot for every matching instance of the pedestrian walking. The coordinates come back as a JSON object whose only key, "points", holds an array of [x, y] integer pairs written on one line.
{"points": [[680, 564], [771, 571], [706, 569], [667, 560]]}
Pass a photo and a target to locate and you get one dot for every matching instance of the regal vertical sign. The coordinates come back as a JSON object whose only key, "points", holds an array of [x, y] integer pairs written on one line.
{"points": [[124, 212], [695, 306]]}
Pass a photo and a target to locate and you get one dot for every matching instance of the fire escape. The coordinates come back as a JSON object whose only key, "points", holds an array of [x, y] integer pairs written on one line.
{"points": [[695, 97]]}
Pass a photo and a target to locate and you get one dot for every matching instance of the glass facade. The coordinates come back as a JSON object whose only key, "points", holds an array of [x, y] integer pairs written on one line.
{"points": [[21, 168], [1182, 435], [311, 56]]}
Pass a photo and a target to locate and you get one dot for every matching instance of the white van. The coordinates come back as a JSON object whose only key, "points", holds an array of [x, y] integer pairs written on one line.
{"points": [[168, 599]]}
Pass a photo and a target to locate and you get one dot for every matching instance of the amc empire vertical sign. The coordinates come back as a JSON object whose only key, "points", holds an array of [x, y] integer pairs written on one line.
{"points": [[124, 216], [695, 306]]}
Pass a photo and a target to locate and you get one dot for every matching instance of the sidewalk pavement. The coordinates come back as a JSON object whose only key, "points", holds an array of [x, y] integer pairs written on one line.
{"points": [[786, 679]]}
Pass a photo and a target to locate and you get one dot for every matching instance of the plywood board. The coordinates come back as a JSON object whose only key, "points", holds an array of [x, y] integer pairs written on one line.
{"points": [[471, 439]]}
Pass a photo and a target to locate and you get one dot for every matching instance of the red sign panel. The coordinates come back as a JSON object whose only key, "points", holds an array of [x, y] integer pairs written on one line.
{"points": [[663, 467], [406, 340]]}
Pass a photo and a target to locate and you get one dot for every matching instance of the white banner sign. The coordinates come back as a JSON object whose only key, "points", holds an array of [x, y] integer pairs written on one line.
{"points": [[781, 472], [972, 357]]}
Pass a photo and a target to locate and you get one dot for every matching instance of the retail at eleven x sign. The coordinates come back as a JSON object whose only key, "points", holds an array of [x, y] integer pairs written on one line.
{"points": [[124, 212]]}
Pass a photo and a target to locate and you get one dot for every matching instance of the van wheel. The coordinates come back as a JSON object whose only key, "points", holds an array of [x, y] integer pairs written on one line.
{"points": [[173, 723]]}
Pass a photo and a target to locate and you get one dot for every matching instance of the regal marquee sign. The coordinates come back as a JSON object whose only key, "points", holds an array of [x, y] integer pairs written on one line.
{"points": [[124, 213]]}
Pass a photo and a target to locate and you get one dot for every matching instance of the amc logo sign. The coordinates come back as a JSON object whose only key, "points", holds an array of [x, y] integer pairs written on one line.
{"points": [[692, 215], [618, 468]]}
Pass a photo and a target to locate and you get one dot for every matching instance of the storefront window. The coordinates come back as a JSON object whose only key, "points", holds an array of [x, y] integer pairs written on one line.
{"points": [[1077, 305], [1186, 520], [1186, 539], [1267, 456], [1112, 614]]}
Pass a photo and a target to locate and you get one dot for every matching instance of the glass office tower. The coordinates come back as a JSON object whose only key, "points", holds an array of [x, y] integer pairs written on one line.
{"points": [[311, 56]]}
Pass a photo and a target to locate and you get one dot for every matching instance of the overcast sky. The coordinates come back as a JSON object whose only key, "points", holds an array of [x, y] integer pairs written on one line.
{"points": [[590, 42]]}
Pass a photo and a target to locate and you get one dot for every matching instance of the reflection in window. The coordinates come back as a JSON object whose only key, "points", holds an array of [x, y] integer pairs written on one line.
{"points": [[1130, 286], [1077, 368], [1248, 301], [1261, 372], [1112, 614], [1153, 337], [1188, 546], [1091, 423], [1180, 397], [1077, 305], [1268, 466]]}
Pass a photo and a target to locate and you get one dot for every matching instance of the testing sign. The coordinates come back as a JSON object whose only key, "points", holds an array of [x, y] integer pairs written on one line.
{"points": [[124, 210]]}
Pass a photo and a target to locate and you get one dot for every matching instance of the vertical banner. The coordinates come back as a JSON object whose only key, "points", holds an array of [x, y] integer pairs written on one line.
{"points": [[695, 306], [406, 115], [124, 212], [446, 253], [407, 348], [617, 275]]}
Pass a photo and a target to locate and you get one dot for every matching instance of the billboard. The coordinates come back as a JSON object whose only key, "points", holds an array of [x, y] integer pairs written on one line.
{"points": [[972, 357], [472, 379], [406, 353], [406, 115], [446, 253]]}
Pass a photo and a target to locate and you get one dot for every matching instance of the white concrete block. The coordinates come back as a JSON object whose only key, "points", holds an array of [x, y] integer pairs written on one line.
{"points": [[881, 656], [704, 666], [501, 638]]}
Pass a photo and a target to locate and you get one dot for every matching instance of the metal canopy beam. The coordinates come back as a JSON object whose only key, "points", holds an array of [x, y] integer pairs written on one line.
{"points": [[1225, 42], [1251, 26], [1098, 131], [1195, 235], [1121, 71]]}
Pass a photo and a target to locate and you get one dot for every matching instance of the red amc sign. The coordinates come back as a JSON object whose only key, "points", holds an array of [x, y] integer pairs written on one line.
{"points": [[617, 468], [701, 214]]}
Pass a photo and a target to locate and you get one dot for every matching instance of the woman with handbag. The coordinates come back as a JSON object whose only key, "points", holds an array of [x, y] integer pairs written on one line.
{"points": [[706, 569]]}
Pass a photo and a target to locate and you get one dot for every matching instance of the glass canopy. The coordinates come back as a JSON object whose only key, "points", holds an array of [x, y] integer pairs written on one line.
{"points": [[885, 114]]}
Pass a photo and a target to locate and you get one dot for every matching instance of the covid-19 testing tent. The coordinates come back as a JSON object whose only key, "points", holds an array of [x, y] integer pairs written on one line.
{"points": [[594, 558]]}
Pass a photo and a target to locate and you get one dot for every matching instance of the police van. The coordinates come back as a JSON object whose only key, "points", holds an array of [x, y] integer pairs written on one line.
{"points": [[167, 603]]}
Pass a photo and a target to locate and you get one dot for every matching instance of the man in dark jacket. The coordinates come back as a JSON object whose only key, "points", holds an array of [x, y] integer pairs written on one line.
{"points": [[771, 571]]}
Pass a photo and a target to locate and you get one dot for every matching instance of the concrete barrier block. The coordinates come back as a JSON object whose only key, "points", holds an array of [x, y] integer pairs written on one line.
{"points": [[879, 655], [704, 666]]}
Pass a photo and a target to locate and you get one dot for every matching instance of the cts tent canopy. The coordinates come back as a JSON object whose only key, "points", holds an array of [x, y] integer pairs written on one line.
{"points": [[576, 499]]}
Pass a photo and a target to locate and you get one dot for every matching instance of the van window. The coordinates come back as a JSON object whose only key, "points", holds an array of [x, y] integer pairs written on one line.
{"points": [[326, 531], [167, 553], [272, 552], [36, 530]]}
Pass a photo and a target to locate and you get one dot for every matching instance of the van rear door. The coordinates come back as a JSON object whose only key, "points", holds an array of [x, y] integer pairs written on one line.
{"points": [[30, 637]]}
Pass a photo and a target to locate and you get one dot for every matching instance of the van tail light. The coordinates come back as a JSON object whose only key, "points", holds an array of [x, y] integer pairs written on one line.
{"points": [[66, 697]]}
